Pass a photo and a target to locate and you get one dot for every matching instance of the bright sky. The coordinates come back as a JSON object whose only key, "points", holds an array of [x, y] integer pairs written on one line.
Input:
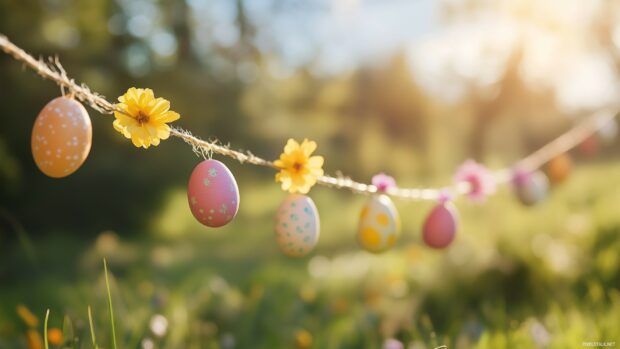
{"points": [[474, 50], [331, 35]]}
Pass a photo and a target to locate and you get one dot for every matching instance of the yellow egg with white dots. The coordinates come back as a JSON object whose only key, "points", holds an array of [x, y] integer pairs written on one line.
{"points": [[379, 226]]}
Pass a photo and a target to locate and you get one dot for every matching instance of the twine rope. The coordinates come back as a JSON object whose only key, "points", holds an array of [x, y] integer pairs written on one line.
{"points": [[53, 70]]}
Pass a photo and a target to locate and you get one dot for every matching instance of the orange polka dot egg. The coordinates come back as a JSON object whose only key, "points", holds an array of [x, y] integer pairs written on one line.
{"points": [[297, 225], [61, 137], [379, 226]]}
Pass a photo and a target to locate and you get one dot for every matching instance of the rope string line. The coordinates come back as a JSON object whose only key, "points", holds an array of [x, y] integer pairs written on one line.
{"points": [[568, 140], [53, 70]]}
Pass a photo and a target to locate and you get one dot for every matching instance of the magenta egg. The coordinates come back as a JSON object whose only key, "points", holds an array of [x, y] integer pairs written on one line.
{"points": [[440, 226], [213, 194]]}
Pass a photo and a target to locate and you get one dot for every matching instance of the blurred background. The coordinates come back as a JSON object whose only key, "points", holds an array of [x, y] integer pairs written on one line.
{"points": [[407, 87]]}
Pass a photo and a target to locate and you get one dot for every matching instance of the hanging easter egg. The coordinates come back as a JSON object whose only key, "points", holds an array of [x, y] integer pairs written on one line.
{"points": [[213, 194], [297, 225], [61, 137], [590, 146], [440, 226], [379, 226], [531, 188], [559, 168]]}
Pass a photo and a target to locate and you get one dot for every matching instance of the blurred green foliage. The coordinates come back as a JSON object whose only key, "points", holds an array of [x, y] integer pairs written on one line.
{"points": [[515, 277]]}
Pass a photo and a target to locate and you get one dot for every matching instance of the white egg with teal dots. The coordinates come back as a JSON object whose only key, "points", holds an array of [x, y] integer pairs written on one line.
{"points": [[297, 225], [379, 226]]}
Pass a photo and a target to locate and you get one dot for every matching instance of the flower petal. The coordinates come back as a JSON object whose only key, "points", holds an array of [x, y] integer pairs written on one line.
{"points": [[159, 106], [316, 161], [168, 116], [291, 146], [308, 147]]}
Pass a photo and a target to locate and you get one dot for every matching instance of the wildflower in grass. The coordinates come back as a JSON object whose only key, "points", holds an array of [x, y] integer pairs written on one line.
{"points": [[144, 118], [147, 343], [33, 339], [54, 336], [158, 325], [299, 170], [480, 180], [303, 339], [27, 316], [392, 343]]}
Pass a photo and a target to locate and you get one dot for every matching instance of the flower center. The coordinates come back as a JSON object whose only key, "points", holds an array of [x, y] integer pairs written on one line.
{"points": [[297, 166], [475, 184], [142, 118]]}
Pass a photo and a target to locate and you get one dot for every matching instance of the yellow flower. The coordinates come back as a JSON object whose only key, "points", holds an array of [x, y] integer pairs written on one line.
{"points": [[298, 170], [29, 318], [303, 339], [33, 338], [145, 118]]}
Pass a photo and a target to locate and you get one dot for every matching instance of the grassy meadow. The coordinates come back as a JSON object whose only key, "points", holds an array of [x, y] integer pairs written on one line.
{"points": [[515, 277]]}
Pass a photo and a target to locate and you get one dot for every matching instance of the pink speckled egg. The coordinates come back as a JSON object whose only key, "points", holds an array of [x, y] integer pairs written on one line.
{"points": [[213, 194], [297, 225], [61, 137], [440, 226]]}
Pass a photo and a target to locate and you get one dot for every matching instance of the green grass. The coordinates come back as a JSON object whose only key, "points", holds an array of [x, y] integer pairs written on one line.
{"points": [[93, 337], [110, 307], [45, 341], [515, 277]]}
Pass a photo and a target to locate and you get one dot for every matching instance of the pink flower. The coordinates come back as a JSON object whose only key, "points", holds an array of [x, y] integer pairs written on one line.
{"points": [[393, 344], [520, 176], [479, 178], [383, 182]]}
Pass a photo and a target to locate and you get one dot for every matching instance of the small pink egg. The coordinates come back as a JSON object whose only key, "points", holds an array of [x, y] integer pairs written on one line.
{"points": [[61, 137], [213, 194], [440, 226], [590, 147]]}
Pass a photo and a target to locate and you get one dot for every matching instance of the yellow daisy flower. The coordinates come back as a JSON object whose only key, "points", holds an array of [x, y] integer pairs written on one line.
{"points": [[298, 170], [145, 118]]}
